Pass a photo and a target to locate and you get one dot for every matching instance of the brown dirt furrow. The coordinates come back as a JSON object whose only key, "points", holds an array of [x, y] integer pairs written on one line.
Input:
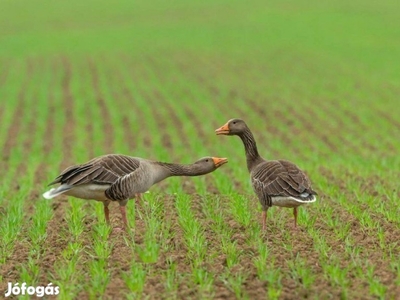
{"points": [[119, 262], [10, 270], [390, 144], [134, 113], [390, 117], [197, 124], [277, 117], [308, 116], [352, 127], [68, 130], [138, 75], [51, 245], [160, 70], [108, 129], [50, 249], [122, 96], [178, 125], [56, 240], [188, 186], [301, 245], [357, 128], [367, 185], [161, 122], [158, 101], [237, 185], [211, 186], [90, 133], [28, 142], [349, 123], [176, 253], [366, 239], [49, 134], [205, 138], [21, 249], [17, 119], [189, 72], [309, 126], [221, 100], [341, 136], [253, 287]]}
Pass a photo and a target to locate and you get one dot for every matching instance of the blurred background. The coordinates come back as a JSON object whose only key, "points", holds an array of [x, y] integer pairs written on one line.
{"points": [[317, 59]]}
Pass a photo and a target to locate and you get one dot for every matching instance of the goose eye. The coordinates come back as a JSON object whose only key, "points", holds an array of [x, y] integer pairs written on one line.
{"points": [[206, 160], [234, 122]]}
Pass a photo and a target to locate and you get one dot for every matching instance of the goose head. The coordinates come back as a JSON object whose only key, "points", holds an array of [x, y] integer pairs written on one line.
{"points": [[232, 127], [208, 164]]}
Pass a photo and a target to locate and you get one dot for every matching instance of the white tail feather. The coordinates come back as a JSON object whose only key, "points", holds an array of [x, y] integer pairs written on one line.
{"points": [[54, 192]]}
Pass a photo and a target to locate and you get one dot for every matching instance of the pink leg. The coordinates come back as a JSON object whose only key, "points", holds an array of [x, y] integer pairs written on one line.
{"points": [[107, 214], [264, 220], [295, 216], [122, 209]]}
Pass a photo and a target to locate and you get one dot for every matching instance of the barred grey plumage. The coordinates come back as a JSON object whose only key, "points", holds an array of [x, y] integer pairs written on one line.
{"points": [[117, 177], [275, 182]]}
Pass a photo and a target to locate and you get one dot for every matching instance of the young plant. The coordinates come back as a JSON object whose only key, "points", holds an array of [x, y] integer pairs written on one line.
{"points": [[135, 279], [74, 217], [99, 277], [240, 210], [235, 282], [300, 272], [171, 279], [149, 252], [204, 280], [231, 251]]}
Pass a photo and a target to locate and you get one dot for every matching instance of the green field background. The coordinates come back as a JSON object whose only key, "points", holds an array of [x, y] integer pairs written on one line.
{"points": [[318, 82]]}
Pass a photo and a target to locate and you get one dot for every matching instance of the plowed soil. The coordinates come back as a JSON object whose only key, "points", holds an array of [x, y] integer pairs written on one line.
{"points": [[283, 241]]}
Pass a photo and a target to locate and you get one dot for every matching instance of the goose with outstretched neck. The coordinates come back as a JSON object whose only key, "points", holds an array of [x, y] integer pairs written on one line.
{"points": [[275, 182], [116, 177]]}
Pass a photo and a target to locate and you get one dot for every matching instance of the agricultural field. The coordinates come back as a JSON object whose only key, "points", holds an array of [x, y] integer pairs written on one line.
{"points": [[318, 84]]}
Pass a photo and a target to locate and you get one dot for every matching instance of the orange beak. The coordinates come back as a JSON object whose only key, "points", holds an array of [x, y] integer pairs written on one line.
{"points": [[219, 161], [222, 130]]}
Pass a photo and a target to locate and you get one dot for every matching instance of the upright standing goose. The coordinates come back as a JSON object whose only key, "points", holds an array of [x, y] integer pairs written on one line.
{"points": [[116, 177], [275, 182]]}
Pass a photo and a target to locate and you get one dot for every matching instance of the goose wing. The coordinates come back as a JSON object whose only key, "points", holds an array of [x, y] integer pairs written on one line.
{"points": [[105, 169], [280, 178]]}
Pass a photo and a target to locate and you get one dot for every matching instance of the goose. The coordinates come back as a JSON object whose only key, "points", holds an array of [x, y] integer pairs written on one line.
{"points": [[275, 182], [117, 177]]}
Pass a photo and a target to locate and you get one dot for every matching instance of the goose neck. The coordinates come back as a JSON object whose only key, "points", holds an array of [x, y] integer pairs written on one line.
{"points": [[250, 148], [179, 169]]}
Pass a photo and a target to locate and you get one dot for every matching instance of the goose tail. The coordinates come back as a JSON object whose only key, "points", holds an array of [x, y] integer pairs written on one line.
{"points": [[54, 192]]}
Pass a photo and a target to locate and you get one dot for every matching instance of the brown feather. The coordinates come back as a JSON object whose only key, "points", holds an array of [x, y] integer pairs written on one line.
{"points": [[105, 169]]}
